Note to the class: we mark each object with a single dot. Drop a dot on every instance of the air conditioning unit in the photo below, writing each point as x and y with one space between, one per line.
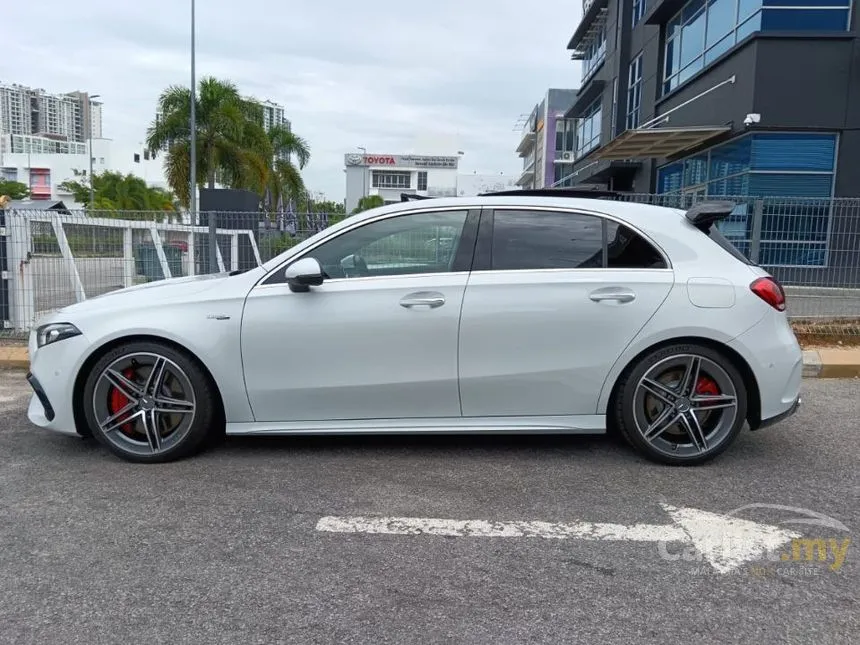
567 156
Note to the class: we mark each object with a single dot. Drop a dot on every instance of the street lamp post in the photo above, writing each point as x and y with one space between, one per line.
364 173
90 137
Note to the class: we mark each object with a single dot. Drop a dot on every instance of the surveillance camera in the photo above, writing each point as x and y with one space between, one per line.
752 118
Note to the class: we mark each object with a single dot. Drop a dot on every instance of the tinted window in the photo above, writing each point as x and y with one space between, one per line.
419 243
549 240
546 240
626 249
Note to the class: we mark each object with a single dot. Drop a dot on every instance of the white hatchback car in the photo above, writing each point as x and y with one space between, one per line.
511 313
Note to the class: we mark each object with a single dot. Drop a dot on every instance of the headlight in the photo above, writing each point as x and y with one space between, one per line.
51 333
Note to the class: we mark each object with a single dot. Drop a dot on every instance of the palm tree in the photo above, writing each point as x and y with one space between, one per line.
285 179
226 124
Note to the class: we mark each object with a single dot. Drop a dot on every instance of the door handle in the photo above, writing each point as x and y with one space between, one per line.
619 295
429 299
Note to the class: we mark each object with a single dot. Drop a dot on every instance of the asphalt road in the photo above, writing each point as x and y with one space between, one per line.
223 548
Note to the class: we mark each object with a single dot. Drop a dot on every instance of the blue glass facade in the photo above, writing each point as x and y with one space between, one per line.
704 30
767 165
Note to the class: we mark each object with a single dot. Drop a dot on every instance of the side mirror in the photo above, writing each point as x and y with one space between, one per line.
303 275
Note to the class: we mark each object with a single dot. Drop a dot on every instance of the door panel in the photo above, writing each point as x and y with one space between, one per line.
542 342
378 339
349 349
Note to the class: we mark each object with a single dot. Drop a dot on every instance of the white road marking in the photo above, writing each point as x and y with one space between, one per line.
724 542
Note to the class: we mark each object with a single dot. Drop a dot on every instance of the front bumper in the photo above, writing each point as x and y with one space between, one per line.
53 369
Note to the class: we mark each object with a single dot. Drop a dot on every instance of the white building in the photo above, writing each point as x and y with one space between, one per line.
44 172
45 137
389 176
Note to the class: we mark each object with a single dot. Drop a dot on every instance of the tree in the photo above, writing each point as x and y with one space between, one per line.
285 179
367 202
14 189
116 194
233 148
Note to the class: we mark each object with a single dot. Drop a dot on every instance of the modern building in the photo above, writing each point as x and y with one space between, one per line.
389 176
45 137
547 142
726 97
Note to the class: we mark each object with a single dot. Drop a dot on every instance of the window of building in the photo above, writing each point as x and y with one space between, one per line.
702 31
785 165
422 180
410 244
634 93
391 179
613 124
588 129
565 135
595 54
638 10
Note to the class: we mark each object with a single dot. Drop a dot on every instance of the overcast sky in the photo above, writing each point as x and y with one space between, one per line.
388 76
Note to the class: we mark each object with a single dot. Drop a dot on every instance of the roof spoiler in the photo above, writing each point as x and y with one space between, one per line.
408 197
704 214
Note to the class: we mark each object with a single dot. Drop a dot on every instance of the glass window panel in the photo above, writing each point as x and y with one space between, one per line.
691 9
730 158
719 49
806 3
790 185
670 178
673 56
673 27
688 72
804 20
721 20
752 25
696 170
792 254
746 8
692 39
793 151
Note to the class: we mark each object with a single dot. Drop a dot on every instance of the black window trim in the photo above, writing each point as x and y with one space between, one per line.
462 262
483 261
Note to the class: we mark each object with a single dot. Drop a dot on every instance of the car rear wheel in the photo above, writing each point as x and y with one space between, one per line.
148 402
681 405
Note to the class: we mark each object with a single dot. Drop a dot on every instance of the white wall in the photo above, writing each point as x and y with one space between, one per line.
62 166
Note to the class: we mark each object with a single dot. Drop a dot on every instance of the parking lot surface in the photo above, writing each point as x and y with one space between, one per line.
233 546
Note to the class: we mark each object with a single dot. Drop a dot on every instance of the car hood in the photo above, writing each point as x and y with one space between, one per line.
151 293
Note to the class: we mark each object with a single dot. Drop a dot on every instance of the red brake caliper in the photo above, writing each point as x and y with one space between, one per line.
707 386
117 400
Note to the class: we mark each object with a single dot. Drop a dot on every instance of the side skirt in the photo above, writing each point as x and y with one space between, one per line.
579 424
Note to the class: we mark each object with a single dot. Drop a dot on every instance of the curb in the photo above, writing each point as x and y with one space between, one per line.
817 363
14 358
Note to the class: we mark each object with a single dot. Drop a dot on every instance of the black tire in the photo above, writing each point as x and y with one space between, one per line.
631 404
205 422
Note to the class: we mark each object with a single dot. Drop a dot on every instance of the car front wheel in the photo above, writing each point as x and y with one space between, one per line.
148 402
681 405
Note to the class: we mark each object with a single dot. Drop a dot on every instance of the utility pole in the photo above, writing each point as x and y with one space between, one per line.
90 133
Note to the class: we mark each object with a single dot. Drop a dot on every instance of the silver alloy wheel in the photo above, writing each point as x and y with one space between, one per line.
144 403
685 405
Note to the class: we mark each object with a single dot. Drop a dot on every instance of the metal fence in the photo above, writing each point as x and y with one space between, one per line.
51 259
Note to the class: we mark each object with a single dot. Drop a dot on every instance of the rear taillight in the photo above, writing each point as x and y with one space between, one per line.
770 291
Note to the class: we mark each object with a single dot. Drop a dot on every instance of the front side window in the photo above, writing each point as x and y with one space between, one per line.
527 240
704 30
408 244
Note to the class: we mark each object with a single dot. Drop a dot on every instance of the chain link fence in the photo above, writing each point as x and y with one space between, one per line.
52 259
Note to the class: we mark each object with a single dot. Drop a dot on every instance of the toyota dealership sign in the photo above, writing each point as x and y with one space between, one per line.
402 161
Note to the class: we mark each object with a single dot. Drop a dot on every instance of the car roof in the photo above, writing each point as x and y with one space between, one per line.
647 217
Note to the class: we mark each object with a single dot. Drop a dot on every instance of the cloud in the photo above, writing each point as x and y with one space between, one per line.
377 75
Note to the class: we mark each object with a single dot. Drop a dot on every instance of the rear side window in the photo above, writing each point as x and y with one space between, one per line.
525 240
